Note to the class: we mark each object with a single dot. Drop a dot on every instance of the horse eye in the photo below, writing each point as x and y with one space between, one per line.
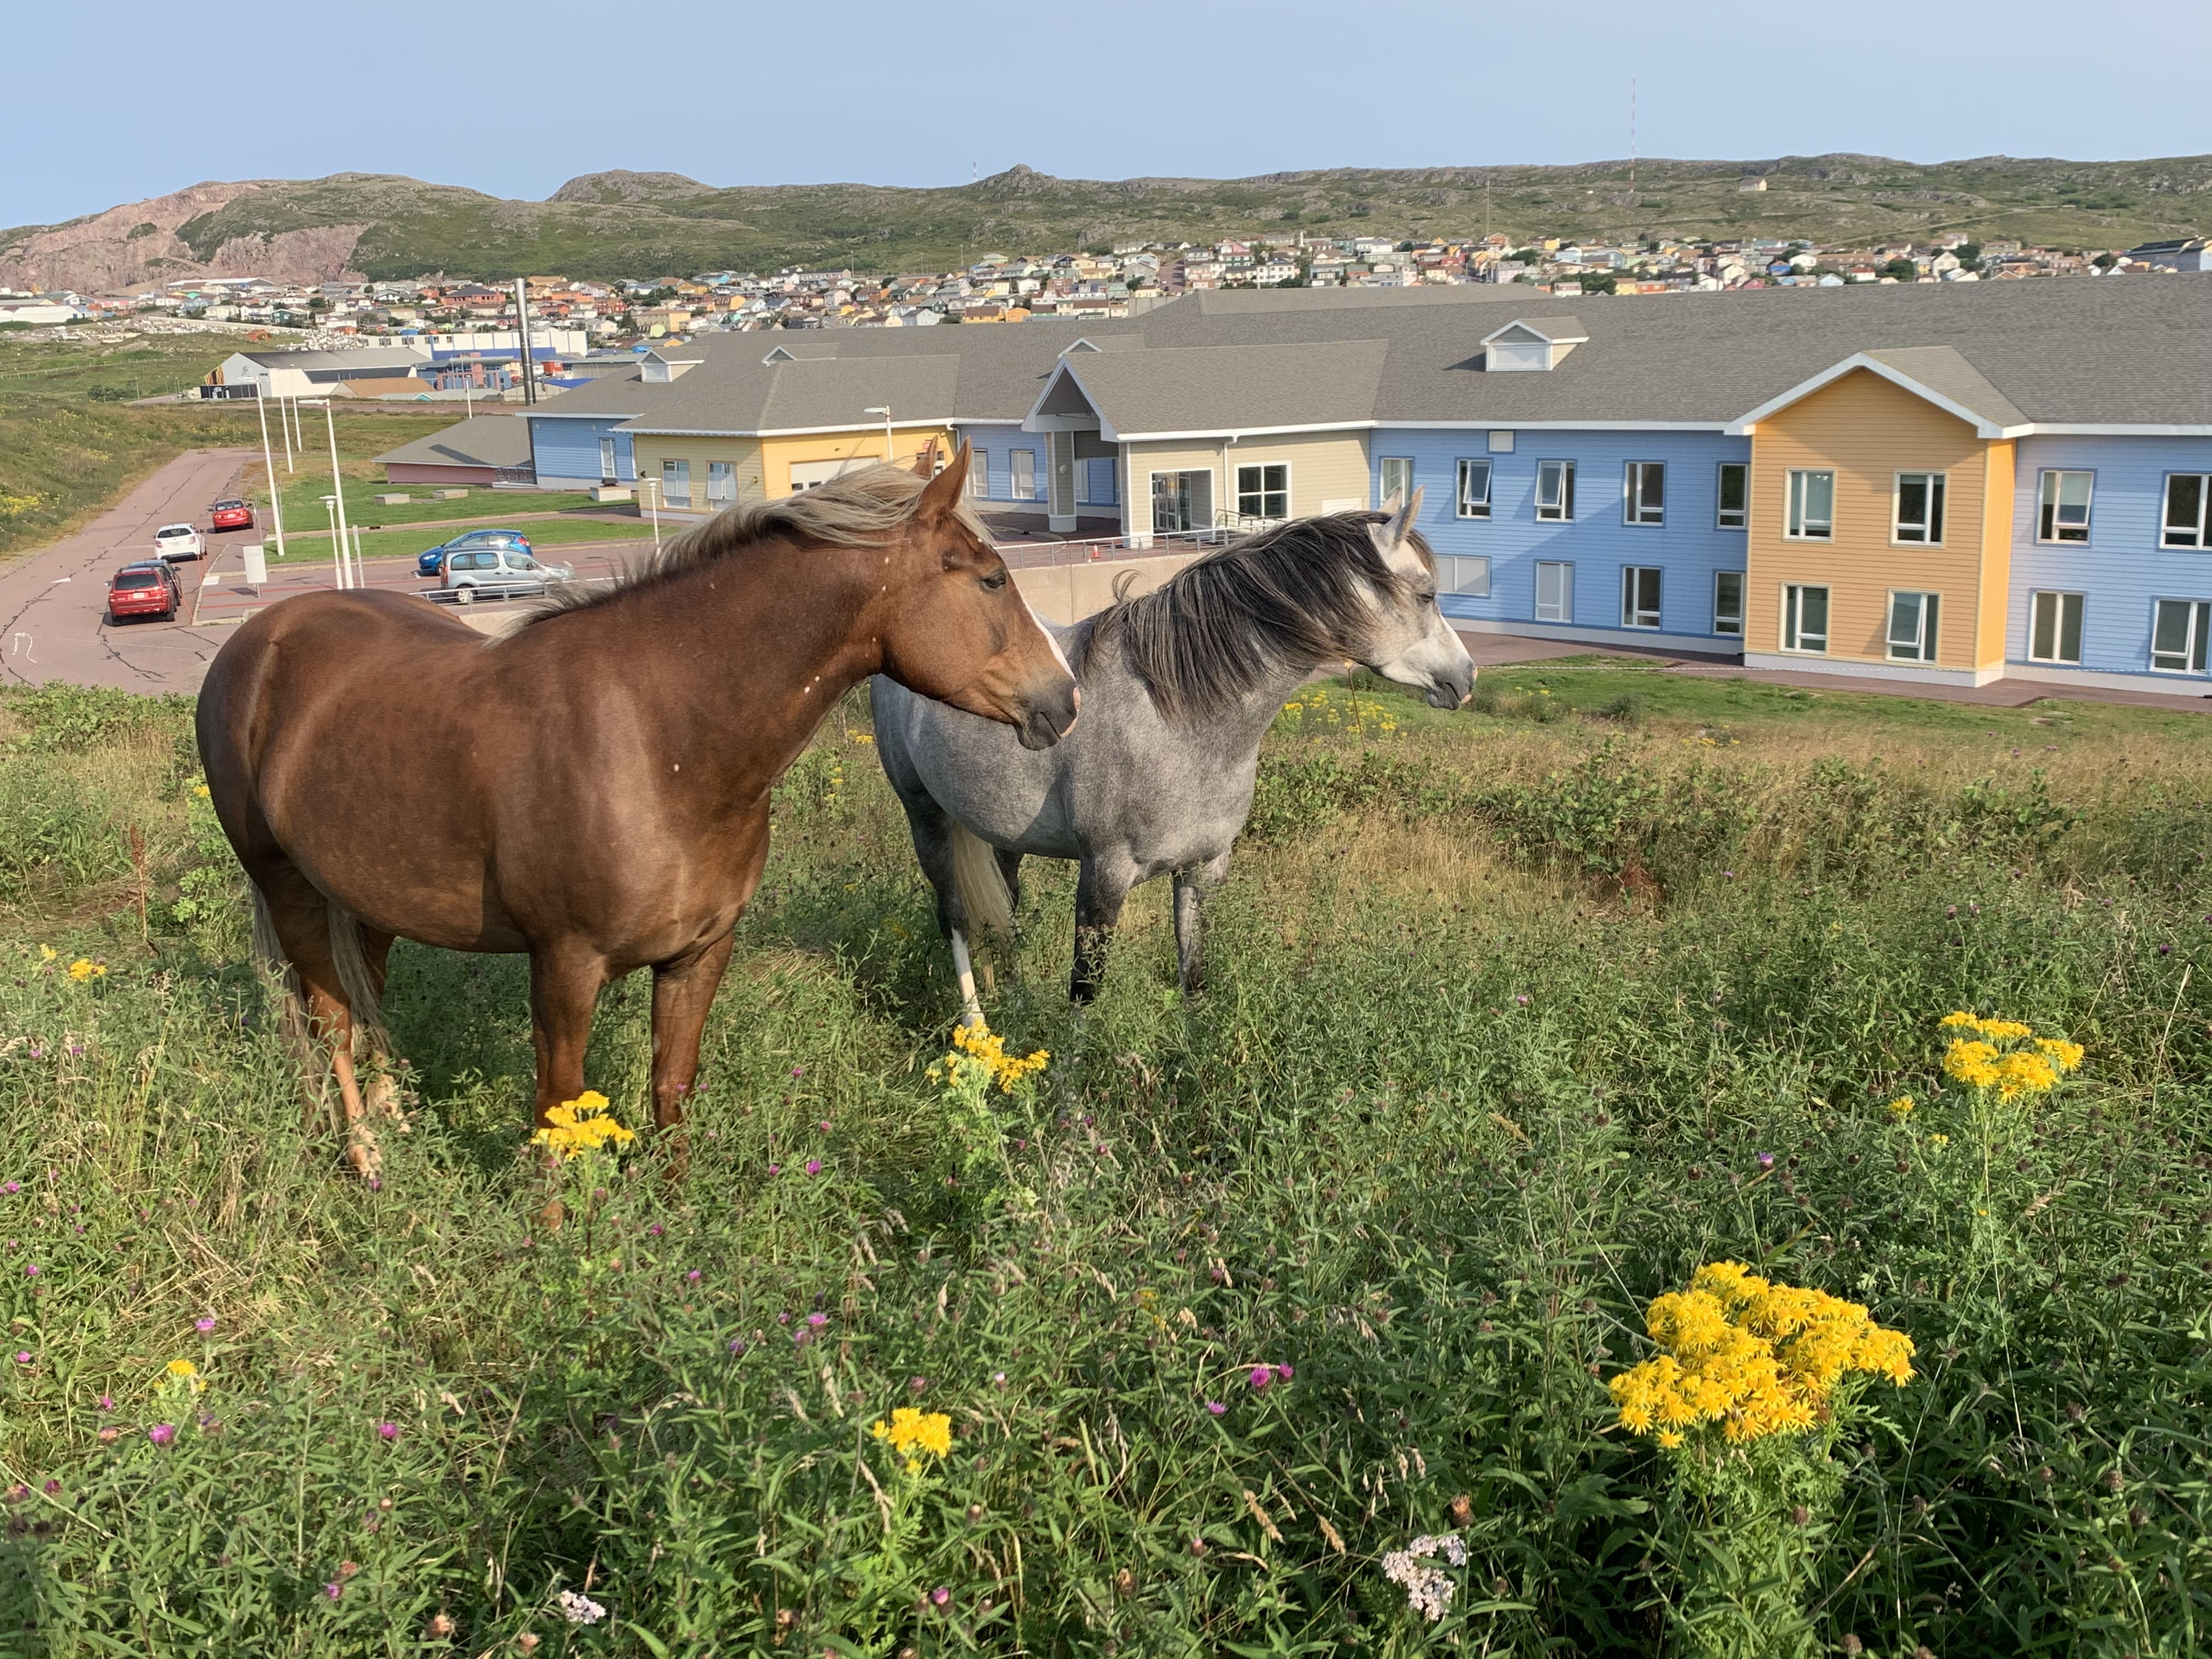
995 581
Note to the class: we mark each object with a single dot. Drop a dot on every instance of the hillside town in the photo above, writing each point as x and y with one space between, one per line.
1106 280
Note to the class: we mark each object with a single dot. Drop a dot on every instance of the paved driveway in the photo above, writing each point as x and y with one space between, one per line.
53 605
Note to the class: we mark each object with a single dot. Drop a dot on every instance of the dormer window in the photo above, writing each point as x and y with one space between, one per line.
1531 344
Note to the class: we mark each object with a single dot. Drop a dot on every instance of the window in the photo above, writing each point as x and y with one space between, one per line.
2054 624
1639 596
722 483
2064 515
1555 591
1464 574
1912 620
1918 508
1812 507
1728 602
1180 500
676 484
607 473
979 473
1804 618
1397 477
1025 475
1555 491
1263 491
1645 501
1735 496
1474 489
2178 635
1501 443
2185 496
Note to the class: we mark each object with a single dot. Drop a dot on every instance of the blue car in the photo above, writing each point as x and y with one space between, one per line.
433 563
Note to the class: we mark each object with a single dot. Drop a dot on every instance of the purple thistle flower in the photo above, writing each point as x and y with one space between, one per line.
692 1278
108 1402
776 1168
799 1070
1260 1377
1766 1160
53 1489
334 1589
15 1186
655 1230
783 1319
824 1126
1216 1408
736 1345
30 1270
22 1357
1520 1001
814 1166
388 1431
162 1433
204 1325
941 1597
816 1321
1284 1373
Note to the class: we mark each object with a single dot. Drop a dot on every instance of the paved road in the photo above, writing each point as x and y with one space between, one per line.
53 605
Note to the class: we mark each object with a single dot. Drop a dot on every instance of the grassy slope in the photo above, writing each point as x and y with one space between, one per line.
416 228
1455 1107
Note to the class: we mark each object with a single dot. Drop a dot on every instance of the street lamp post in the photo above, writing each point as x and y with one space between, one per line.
651 489
283 427
346 572
883 410
269 462
330 512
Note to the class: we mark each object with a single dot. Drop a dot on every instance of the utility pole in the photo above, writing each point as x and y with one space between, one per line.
1632 135
522 333
269 461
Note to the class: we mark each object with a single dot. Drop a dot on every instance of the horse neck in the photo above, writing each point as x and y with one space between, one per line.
762 643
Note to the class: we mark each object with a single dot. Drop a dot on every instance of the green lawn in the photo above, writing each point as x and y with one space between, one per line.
1518 1015
388 544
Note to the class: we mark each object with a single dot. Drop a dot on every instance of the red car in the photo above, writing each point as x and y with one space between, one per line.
230 514
144 590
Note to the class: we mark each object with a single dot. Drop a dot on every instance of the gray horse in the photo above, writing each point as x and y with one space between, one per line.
1179 686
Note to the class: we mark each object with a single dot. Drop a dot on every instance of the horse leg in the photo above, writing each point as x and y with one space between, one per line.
1010 872
683 994
1099 893
1191 887
381 1096
932 828
299 918
564 985
963 970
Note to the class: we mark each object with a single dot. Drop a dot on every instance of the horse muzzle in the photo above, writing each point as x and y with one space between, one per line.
1049 718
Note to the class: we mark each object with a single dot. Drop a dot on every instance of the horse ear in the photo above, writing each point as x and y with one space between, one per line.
941 495
925 464
1403 520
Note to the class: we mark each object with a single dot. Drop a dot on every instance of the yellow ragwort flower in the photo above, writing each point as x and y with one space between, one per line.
1757 1358
2066 1056
84 968
581 1125
48 953
1902 1107
912 1431
979 1042
183 1371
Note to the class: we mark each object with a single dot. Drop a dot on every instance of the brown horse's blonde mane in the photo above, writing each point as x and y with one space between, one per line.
860 509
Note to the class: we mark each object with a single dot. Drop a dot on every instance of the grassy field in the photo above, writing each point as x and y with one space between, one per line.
1518 1016
546 533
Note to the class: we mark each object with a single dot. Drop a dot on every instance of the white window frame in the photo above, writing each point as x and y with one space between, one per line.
609 460
1633 611
979 473
2196 536
1560 509
1385 466
1724 516
1724 624
1501 443
1203 518
1562 606
1476 504
1797 524
1263 516
2058 603
1934 504
1793 635
2196 628
1927 626
1467 575
1634 509
1023 459
2050 503
675 471
721 485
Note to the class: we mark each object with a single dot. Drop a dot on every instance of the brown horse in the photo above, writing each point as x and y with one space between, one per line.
593 789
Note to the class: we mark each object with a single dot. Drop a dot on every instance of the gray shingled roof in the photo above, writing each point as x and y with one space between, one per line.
487 440
1233 388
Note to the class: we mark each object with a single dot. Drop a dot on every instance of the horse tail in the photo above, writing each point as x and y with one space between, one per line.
363 998
293 1020
981 886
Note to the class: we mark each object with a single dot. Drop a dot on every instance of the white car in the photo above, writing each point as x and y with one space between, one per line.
507 571
174 542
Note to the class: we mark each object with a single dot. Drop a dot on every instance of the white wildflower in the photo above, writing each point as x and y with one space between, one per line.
579 1609
1428 1589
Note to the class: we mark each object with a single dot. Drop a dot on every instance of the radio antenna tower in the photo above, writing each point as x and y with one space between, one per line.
1632 135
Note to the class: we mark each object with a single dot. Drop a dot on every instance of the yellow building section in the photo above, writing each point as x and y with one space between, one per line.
769 468
1319 471
1866 435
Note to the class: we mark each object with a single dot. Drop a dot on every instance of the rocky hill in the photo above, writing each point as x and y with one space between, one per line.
646 224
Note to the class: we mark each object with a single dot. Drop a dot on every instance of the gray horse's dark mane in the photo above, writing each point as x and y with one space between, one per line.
867 506
1285 599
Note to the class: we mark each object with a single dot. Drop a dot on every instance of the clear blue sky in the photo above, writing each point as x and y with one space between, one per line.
141 100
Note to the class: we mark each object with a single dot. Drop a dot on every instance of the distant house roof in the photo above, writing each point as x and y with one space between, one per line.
487 440
365 364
